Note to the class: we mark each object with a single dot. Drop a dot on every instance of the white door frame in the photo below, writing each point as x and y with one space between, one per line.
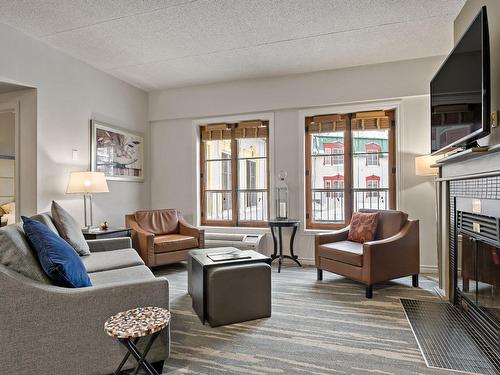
14 106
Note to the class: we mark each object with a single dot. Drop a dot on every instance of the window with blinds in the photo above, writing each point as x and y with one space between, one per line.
235 174
350 165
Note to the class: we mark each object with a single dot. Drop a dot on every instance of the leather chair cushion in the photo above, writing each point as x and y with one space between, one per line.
343 251
158 222
174 242
390 222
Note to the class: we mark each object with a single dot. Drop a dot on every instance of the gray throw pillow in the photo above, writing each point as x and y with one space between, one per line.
69 229
16 254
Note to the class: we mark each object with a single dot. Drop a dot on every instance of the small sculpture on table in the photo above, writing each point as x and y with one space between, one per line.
104 226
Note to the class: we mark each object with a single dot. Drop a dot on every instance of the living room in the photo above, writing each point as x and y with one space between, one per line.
262 128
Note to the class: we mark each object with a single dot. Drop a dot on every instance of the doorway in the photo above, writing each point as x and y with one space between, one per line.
8 167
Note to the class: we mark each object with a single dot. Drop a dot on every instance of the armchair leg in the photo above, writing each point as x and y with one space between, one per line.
320 274
414 280
369 291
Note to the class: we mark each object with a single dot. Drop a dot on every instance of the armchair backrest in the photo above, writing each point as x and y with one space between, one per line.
390 222
158 222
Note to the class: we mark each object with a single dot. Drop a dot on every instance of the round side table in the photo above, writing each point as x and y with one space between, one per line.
279 224
130 326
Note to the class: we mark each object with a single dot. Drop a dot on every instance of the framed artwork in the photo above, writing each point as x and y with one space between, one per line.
117 152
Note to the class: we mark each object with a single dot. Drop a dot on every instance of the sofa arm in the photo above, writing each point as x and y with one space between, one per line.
189 230
109 244
60 329
393 257
340 235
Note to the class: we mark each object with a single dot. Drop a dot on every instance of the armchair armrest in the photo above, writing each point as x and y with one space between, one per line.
189 230
339 235
109 244
393 257
142 241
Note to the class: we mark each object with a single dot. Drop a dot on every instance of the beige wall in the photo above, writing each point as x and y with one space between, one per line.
70 93
462 22
174 142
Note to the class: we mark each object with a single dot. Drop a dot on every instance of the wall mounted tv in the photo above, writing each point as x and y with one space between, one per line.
460 91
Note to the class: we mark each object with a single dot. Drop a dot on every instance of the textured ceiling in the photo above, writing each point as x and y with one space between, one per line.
157 44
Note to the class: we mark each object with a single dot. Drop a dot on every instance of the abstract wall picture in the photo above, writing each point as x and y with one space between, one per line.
116 152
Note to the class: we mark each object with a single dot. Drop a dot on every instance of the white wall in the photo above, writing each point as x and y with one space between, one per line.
174 142
7 134
69 94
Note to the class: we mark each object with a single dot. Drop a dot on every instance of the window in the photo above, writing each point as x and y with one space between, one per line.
336 149
234 174
347 157
372 153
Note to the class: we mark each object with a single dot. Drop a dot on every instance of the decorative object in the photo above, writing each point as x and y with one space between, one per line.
58 259
131 325
280 223
87 183
281 196
423 165
69 229
116 152
99 234
104 226
363 227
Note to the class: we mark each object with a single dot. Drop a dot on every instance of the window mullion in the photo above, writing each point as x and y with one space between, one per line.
234 182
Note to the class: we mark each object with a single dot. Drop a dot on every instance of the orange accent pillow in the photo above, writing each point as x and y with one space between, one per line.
363 227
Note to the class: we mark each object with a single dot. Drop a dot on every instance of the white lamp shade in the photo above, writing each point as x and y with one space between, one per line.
423 165
87 182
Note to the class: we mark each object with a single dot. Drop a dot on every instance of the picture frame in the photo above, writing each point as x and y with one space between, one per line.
117 152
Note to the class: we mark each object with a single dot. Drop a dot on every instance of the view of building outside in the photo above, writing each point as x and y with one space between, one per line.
252 179
370 166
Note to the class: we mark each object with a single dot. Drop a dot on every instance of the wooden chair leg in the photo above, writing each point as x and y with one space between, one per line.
414 280
320 274
369 291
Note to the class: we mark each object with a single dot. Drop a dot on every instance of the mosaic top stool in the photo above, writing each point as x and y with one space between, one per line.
130 326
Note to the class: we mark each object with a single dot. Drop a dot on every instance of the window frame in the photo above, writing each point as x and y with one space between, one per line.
348 192
235 190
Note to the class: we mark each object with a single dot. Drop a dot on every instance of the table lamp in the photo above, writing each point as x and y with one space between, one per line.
87 183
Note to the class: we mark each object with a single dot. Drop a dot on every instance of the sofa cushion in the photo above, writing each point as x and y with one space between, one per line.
390 222
46 218
110 260
58 259
69 229
16 253
158 221
363 227
343 251
174 242
121 275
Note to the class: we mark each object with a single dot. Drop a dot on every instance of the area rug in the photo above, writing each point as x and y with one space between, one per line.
317 327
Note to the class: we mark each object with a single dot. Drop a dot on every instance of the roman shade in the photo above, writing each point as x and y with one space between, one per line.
327 123
215 132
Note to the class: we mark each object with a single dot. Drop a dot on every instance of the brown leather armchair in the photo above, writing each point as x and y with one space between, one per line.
163 236
394 253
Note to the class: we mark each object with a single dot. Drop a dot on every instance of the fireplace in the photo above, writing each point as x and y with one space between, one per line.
475 253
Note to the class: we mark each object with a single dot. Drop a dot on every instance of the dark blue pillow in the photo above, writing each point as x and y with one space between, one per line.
58 259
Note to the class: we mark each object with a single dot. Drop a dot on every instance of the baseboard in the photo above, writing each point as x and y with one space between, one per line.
428 269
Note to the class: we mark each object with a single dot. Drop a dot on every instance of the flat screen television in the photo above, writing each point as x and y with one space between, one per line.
460 91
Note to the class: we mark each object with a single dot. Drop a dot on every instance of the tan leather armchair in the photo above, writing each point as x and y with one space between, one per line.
394 253
163 236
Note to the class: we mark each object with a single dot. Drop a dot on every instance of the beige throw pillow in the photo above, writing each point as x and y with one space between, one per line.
69 229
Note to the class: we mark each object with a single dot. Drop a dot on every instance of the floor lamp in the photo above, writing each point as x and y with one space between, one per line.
87 183
424 166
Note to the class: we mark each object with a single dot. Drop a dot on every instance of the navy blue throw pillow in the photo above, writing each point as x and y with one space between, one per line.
58 259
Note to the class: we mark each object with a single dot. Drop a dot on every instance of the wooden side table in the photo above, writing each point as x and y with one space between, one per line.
279 224
130 326
99 234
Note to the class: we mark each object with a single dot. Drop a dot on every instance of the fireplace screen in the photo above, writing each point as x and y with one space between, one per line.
479 274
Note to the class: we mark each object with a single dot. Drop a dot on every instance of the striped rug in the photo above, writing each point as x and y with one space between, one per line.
317 327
